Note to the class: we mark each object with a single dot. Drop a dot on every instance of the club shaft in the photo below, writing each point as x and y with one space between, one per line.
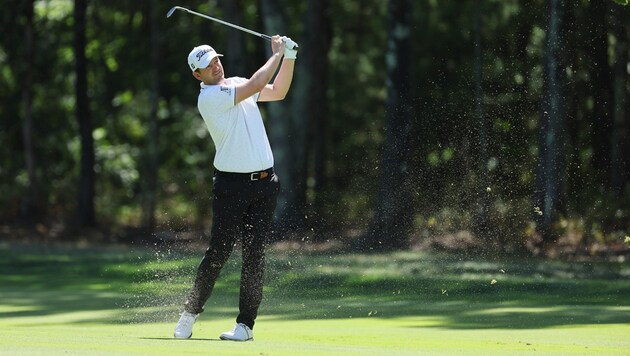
258 34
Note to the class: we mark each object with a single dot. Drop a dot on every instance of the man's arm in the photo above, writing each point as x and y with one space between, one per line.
280 87
261 78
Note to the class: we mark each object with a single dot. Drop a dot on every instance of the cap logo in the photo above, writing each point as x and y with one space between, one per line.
201 53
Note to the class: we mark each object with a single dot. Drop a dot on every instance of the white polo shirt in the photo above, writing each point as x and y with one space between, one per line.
238 131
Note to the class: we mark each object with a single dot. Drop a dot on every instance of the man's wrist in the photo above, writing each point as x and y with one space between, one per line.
290 54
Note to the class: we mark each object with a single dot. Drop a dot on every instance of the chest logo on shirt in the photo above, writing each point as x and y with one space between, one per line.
227 90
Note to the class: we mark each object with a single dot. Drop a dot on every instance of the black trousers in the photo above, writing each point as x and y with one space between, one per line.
241 208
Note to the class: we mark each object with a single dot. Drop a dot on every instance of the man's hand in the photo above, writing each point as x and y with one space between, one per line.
277 45
290 51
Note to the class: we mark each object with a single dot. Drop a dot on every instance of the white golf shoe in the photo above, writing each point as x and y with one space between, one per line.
241 332
183 330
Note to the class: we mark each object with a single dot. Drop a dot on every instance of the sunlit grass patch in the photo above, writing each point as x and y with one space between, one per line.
110 301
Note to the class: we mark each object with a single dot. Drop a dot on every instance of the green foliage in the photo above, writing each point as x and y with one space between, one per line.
449 181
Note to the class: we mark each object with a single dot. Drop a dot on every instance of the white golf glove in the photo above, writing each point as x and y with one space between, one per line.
290 48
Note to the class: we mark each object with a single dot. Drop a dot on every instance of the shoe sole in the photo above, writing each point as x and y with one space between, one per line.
228 339
176 337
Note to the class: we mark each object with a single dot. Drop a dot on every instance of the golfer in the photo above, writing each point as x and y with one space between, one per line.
245 186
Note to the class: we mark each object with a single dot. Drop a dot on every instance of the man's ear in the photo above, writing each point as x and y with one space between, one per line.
196 75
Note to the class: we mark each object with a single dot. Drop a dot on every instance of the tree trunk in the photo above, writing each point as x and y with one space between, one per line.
235 60
85 205
620 155
310 99
548 175
575 121
394 209
152 171
287 130
600 78
30 201
483 203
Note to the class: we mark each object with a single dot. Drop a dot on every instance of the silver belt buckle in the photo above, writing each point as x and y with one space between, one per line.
251 176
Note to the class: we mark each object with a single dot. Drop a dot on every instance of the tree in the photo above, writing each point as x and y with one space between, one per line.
85 206
548 182
235 61
600 79
287 131
31 200
483 201
394 210
310 100
620 145
152 171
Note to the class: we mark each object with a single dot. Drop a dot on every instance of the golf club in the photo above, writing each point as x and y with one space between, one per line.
261 35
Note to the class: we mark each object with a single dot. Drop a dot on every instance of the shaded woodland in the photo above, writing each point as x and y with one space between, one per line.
496 124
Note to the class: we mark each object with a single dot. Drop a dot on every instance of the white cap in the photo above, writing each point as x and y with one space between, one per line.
201 56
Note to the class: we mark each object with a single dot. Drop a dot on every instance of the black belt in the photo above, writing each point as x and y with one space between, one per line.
246 177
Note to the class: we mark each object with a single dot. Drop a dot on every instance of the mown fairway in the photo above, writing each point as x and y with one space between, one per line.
115 301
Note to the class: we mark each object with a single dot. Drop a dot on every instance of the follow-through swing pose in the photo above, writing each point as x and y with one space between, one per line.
245 185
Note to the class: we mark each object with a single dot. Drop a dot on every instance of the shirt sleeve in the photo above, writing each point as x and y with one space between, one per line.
217 98
239 80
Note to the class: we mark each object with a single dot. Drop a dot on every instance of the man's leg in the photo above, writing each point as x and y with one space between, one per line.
258 230
229 206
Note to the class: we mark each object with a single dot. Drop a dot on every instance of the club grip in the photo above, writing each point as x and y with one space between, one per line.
268 38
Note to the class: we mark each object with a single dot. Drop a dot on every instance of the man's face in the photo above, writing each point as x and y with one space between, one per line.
212 74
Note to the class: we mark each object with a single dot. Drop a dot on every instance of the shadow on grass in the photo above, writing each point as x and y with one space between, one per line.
149 286
179 340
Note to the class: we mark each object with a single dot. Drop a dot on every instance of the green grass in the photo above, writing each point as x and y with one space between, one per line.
111 301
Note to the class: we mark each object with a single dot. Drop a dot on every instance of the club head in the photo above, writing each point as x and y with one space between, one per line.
171 11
